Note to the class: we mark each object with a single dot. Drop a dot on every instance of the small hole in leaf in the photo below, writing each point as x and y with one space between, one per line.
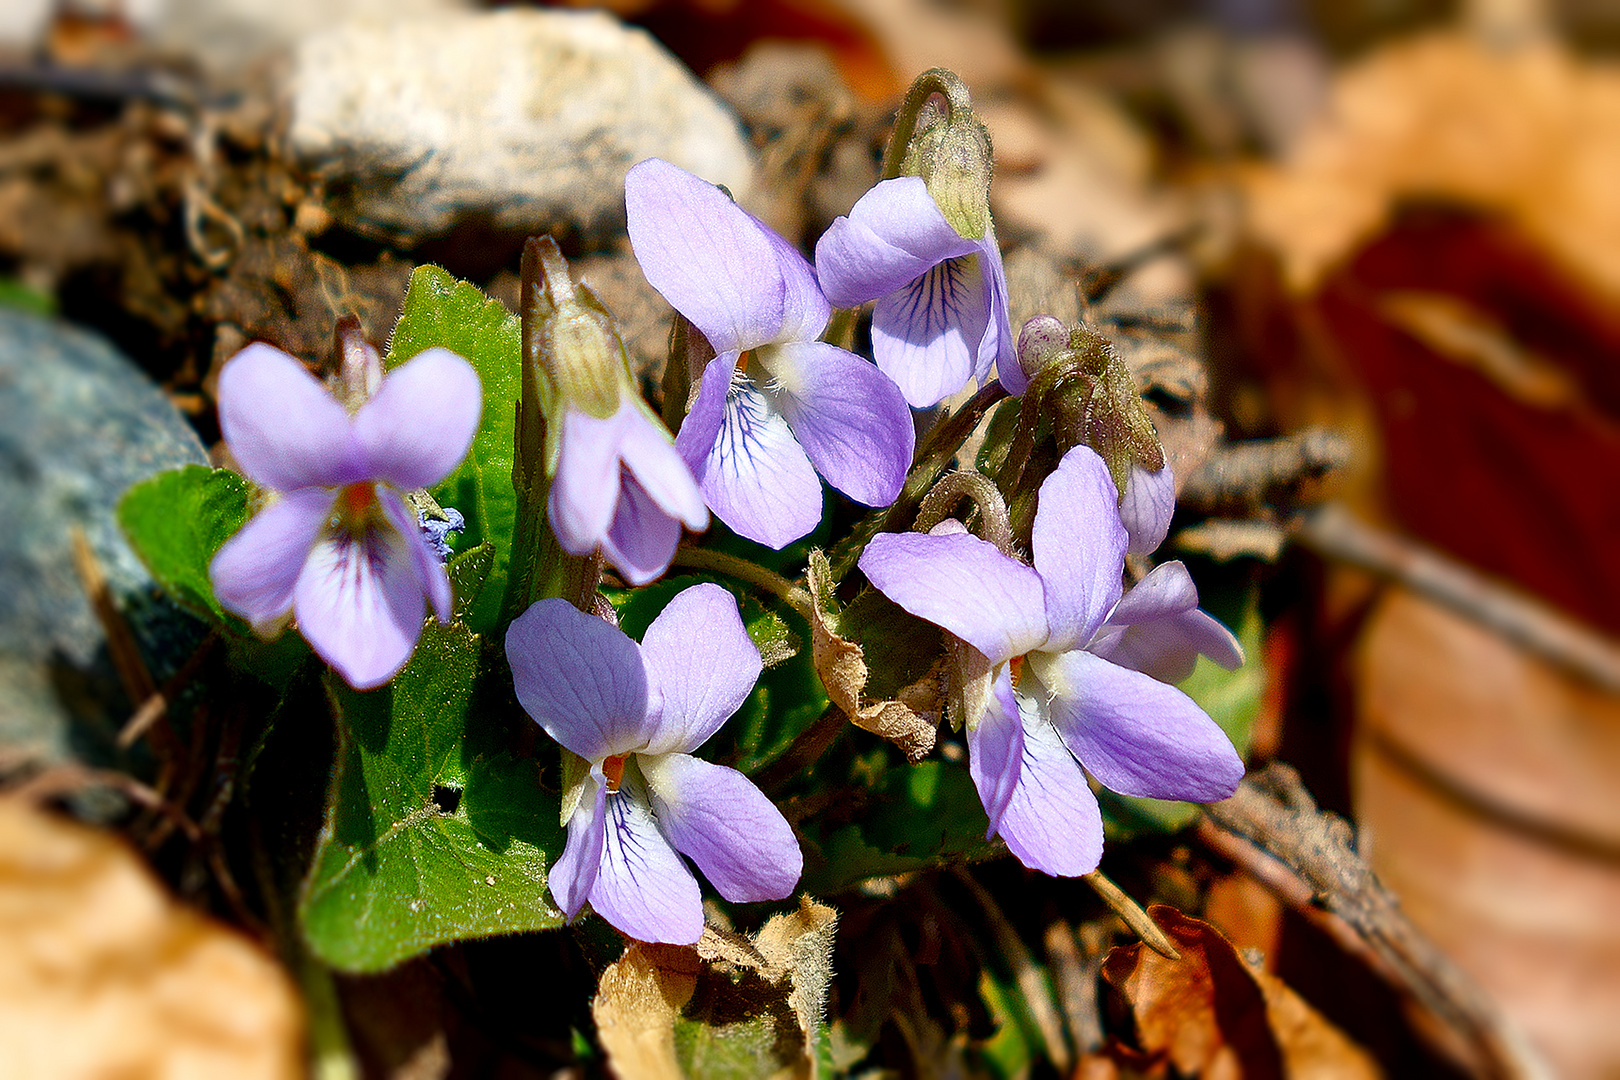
446 798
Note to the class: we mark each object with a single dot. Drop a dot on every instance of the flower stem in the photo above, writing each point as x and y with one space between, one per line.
732 566
939 446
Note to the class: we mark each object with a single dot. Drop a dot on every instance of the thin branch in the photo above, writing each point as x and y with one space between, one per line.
1526 621
1244 477
1140 922
1273 829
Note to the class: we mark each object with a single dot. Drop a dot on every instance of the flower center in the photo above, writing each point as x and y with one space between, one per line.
613 769
742 361
355 509
1015 668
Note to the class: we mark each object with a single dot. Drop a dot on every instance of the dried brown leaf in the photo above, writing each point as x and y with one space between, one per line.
1209 1014
841 666
102 974
637 1001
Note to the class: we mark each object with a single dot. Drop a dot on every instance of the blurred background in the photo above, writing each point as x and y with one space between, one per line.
1376 242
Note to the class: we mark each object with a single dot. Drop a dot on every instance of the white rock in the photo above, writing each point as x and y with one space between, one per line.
528 118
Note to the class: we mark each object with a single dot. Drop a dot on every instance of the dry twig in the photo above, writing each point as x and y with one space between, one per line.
1273 829
1527 622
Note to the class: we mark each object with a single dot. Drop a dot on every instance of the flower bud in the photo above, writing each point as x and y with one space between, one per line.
946 145
577 347
1042 338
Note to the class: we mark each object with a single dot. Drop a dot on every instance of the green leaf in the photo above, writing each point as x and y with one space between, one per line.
439 310
435 831
917 816
469 573
177 521
1232 699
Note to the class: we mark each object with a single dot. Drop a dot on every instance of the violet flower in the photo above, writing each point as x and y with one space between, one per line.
941 315
775 406
1059 696
1146 507
621 485
339 549
635 713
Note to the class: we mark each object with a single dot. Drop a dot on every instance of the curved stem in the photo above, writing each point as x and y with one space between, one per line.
968 484
705 559
939 446
1140 922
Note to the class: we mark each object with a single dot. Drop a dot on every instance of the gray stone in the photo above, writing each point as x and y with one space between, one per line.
527 120
79 424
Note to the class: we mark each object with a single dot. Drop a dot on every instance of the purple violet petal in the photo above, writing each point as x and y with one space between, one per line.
712 261
419 425
850 418
649 454
1168 590
643 887
701 428
926 335
996 751
284 430
998 348
1168 648
431 576
359 602
716 817
805 310
580 678
892 235
585 490
1136 735
573 875
964 584
1148 506
255 571
757 478
1079 547
1052 822
701 666
642 539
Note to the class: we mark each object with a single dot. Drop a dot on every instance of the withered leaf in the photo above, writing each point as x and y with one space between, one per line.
728 1006
102 974
1209 1014
841 665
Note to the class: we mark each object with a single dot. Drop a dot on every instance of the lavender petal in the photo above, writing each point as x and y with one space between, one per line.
1147 507
432 578
892 235
1079 547
419 425
850 418
926 335
716 817
359 602
996 751
1135 734
285 431
701 665
580 678
255 571
643 887
1052 822
756 478
964 584
573 875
